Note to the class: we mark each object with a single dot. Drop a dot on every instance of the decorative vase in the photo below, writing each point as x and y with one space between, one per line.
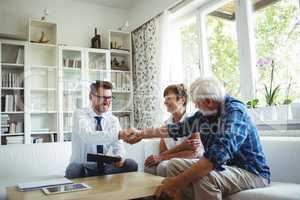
269 113
96 40
295 110
283 112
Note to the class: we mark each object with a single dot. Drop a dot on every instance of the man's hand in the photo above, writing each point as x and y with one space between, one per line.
118 164
153 160
193 143
133 136
124 134
170 186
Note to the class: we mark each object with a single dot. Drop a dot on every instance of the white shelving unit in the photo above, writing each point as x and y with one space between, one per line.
12 70
55 81
42 80
121 76
71 87
78 67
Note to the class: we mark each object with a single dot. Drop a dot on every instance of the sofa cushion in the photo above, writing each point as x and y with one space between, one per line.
276 191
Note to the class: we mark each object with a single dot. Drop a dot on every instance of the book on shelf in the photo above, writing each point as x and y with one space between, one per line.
11 103
15 140
20 56
4 130
72 63
120 82
11 79
124 121
68 122
36 139
4 119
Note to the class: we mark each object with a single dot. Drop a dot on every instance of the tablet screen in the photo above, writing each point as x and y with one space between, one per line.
66 188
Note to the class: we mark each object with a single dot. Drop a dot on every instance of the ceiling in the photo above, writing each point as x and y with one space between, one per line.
122 4
226 12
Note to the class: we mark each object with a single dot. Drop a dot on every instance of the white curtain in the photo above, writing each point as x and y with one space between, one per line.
170 52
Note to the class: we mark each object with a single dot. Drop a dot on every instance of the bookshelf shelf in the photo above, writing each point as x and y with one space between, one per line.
42 112
71 90
43 89
36 67
12 65
121 71
68 112
99 71
120 91
71 69
13 112
12 134
42 45
41 132
12 88
119 52
121 111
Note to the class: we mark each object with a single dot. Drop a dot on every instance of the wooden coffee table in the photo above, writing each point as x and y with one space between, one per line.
111 187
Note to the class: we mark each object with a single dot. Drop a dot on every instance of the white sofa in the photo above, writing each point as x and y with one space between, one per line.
21 163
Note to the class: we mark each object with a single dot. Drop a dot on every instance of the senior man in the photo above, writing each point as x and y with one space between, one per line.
233 159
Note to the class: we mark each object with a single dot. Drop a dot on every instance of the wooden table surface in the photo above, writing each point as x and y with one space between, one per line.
110 187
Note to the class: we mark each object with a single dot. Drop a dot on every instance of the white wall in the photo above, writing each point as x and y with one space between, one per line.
146 10
76 20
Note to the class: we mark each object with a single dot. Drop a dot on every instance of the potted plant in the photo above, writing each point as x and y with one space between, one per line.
284 110
271 95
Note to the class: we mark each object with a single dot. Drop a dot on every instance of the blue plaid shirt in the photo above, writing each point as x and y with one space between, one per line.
230 138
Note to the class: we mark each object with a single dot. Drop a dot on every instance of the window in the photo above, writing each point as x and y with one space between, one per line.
277 43
189 38
183 53
278 50
222 44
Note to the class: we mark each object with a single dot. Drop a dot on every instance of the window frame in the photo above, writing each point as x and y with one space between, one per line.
246 47
245 42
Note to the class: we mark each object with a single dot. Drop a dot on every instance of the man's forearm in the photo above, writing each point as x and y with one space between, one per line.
161 132
167 155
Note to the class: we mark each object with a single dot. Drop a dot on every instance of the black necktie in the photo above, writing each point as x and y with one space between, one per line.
99 128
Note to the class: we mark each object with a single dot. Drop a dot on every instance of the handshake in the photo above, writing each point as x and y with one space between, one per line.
131 135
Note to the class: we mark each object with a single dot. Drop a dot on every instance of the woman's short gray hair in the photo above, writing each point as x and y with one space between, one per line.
207 88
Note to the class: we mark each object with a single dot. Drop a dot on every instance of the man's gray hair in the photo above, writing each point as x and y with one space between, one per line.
207 88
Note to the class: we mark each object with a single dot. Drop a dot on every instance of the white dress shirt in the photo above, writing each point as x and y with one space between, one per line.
85 138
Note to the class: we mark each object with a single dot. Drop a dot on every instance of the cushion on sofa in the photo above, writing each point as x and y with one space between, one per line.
276 191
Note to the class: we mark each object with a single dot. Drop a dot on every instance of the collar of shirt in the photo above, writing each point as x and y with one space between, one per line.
92 113
170 119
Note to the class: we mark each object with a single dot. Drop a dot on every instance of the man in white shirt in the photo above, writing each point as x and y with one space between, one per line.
96 130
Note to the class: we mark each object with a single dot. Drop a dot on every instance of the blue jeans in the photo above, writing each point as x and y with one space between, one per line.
79 170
